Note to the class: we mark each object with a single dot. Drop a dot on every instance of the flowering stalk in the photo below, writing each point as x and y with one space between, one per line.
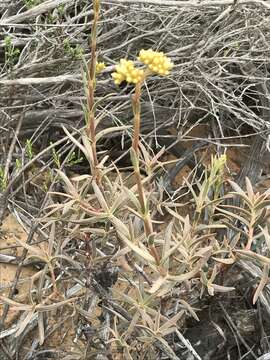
135 159
91 127
137 117
156 62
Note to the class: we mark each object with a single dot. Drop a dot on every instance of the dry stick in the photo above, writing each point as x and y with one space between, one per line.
34 159
229 320
187 157
192 4
36 11
17 275
5 350
41 80
32 229
25 251
3 198
253 165
5 194
44 168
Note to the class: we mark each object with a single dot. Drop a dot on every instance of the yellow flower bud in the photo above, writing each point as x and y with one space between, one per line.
125 71
156 61
99 67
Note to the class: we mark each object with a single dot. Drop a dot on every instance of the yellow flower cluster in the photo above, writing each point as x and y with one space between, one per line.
99 67
125 71
157 62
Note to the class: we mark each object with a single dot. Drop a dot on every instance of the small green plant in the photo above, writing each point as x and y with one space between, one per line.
56 158
11 53
3 179
18 164
73 159
51 18
75 52
210 189
61 10
31 3
29 149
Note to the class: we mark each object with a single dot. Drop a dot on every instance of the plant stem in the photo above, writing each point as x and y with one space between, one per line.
137 117
250 235
135 145
91 126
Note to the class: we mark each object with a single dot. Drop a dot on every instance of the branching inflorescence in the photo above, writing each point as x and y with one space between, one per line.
156 62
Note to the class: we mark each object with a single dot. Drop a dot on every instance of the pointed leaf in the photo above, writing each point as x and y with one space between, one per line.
262 284
109 130
157 284
25 322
